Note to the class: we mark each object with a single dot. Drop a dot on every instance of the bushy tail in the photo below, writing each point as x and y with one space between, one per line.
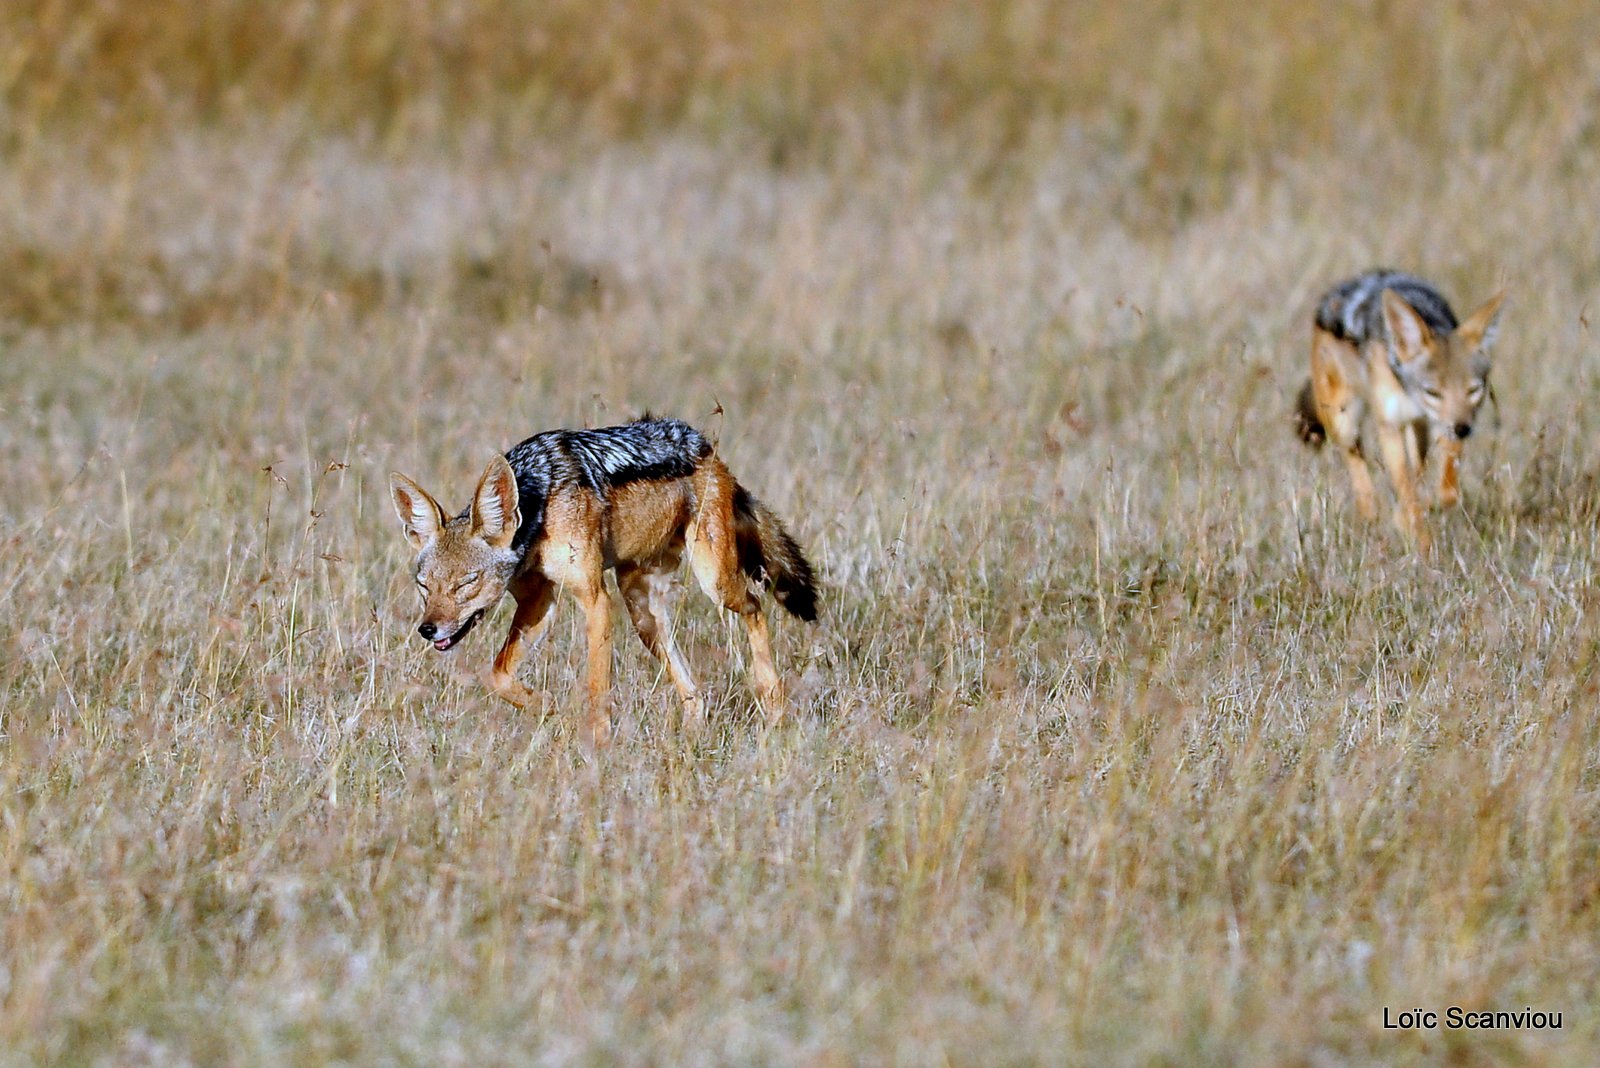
1306 421
770 556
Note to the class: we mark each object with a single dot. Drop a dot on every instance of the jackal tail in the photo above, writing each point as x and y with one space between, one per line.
1306 421
770 556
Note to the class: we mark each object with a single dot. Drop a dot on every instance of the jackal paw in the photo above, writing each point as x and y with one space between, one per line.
694 715
775 704
597 733
523 697
1415 531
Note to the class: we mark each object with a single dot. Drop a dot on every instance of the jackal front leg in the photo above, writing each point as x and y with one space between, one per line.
597 623
528 625
1361 482
1449 457
1401 460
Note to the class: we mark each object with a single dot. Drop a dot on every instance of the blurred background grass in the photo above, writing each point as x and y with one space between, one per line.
1170 108
1193 91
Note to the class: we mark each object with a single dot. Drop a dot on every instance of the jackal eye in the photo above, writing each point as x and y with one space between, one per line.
1431 393
1474 392
470 580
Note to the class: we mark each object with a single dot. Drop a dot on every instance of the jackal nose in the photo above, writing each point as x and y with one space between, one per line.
1463 431
428 631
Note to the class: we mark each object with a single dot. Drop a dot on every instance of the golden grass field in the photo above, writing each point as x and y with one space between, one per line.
1121 740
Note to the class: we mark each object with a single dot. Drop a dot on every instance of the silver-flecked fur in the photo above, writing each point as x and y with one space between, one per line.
1353 310
599 459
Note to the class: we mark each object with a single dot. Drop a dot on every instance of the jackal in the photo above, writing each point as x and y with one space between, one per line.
560 508
1388 344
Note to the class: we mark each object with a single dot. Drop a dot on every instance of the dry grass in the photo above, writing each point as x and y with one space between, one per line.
1121 741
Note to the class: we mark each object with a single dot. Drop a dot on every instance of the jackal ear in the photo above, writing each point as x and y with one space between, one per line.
419 513
1478 333
495 516
1408 334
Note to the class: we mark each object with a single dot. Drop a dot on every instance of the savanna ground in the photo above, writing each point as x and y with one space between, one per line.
1121 739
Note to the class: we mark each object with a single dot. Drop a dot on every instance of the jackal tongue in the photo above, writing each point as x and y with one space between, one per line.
442 644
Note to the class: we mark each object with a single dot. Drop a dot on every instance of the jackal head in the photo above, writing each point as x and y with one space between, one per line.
463 563
1447 374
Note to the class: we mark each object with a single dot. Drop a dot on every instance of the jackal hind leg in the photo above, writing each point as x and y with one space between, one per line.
1337 398
645 591
714 558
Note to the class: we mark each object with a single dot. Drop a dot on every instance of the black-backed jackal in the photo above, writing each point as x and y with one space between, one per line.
563 506
1388 344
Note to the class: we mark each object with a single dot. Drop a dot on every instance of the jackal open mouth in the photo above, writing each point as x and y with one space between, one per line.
442 644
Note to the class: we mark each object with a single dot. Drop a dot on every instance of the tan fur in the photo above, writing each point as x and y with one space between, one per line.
641 529
1348 384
